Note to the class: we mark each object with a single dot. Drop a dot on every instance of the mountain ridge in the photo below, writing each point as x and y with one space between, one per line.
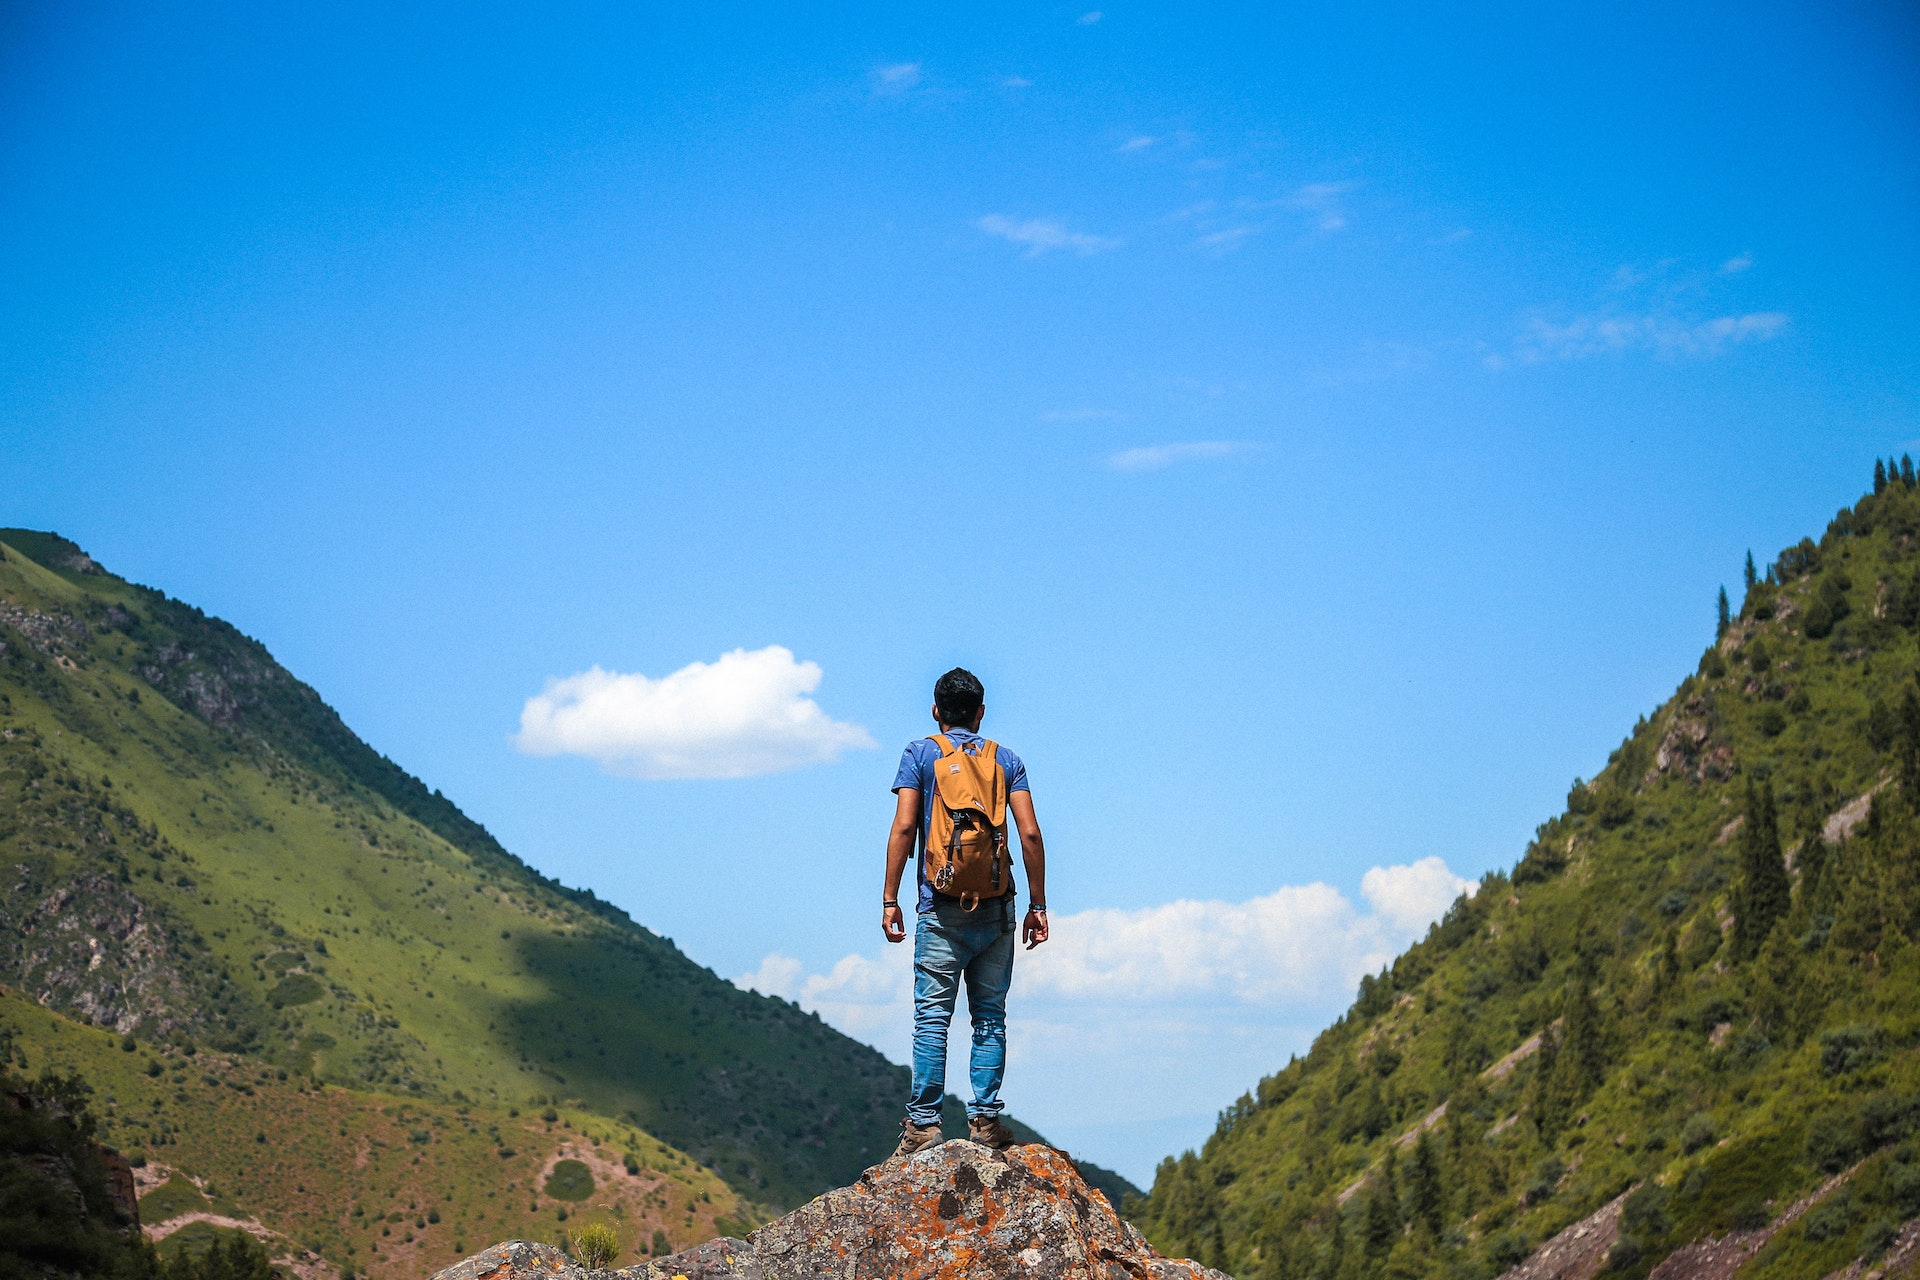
1696 989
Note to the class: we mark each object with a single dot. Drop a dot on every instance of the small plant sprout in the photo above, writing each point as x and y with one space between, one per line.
596 1245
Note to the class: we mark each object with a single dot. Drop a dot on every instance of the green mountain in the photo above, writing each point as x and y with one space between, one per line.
200 857
1696 990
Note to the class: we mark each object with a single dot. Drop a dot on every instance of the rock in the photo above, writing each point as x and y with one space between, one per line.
955 1210
1579 1252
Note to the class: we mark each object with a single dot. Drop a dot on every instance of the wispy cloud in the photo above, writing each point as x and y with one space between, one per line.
1735 265
1043 235
1016 82
1160 456
1322 203
895 77
1226 239
744 715
1090 17
1544 340
1139 142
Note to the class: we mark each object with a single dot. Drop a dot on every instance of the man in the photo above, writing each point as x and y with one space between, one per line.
953 795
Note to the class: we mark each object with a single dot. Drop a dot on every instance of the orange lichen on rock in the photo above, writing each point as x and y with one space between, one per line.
957 1211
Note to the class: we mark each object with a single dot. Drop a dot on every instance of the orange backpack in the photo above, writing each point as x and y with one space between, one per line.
967 828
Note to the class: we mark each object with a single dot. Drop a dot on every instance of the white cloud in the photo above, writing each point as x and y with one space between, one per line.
1090 17
1016 82
1735 265
1177 1007
745 715
1041 235
1605 333
1410 897
1158 456
1321 202
895 77
1139 142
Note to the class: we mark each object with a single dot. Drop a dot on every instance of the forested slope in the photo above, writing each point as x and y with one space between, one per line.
1698 985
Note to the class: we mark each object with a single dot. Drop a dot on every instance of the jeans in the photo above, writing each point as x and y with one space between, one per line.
949 944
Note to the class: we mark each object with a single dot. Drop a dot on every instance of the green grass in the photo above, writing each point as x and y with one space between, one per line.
172 1198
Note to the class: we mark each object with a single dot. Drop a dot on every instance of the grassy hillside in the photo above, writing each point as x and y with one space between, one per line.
195 850
1699 982
364 1181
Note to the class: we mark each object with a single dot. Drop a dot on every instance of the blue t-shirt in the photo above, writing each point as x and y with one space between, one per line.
916 772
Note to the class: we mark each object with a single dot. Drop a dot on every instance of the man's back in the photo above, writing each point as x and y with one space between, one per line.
966 938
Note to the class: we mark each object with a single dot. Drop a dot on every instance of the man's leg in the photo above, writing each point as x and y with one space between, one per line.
937 965
989 974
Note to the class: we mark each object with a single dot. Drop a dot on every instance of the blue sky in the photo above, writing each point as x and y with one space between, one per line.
1341 417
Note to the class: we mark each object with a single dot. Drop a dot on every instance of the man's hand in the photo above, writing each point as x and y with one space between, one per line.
1033 930
893 924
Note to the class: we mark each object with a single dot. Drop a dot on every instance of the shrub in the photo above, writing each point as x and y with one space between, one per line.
1625 1252
1645 1212
1773 722
1751 1214
1833 1140
1833 1217
1848 1049
1878 1235
1506 1250
661 1245
1698 1132
596 1245
1886 1118
570 1180
1546 1178
1674 903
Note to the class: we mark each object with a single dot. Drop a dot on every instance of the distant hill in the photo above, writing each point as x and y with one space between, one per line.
1697 990
198 854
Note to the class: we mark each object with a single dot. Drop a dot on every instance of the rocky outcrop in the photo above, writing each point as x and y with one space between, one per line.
92 949
1577 1253
952 1211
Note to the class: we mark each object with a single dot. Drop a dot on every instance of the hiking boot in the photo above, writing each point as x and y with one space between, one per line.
916 1137
989 1132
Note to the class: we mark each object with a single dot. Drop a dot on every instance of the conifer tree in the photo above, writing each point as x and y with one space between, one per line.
1906 470
1812 864
1583 1053
1909 746
1545 1104
1383 1210
1426 1199
1752 575
1879 475
1333 1262
1764 893
1725 616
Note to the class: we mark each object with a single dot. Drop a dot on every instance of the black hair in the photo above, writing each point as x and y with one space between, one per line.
957 695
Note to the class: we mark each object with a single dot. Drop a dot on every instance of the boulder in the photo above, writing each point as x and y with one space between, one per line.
955 1210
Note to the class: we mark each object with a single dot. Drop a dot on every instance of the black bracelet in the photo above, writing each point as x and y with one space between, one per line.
1041 907
888 902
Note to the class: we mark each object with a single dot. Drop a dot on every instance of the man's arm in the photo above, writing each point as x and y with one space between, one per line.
1033 852
906 826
